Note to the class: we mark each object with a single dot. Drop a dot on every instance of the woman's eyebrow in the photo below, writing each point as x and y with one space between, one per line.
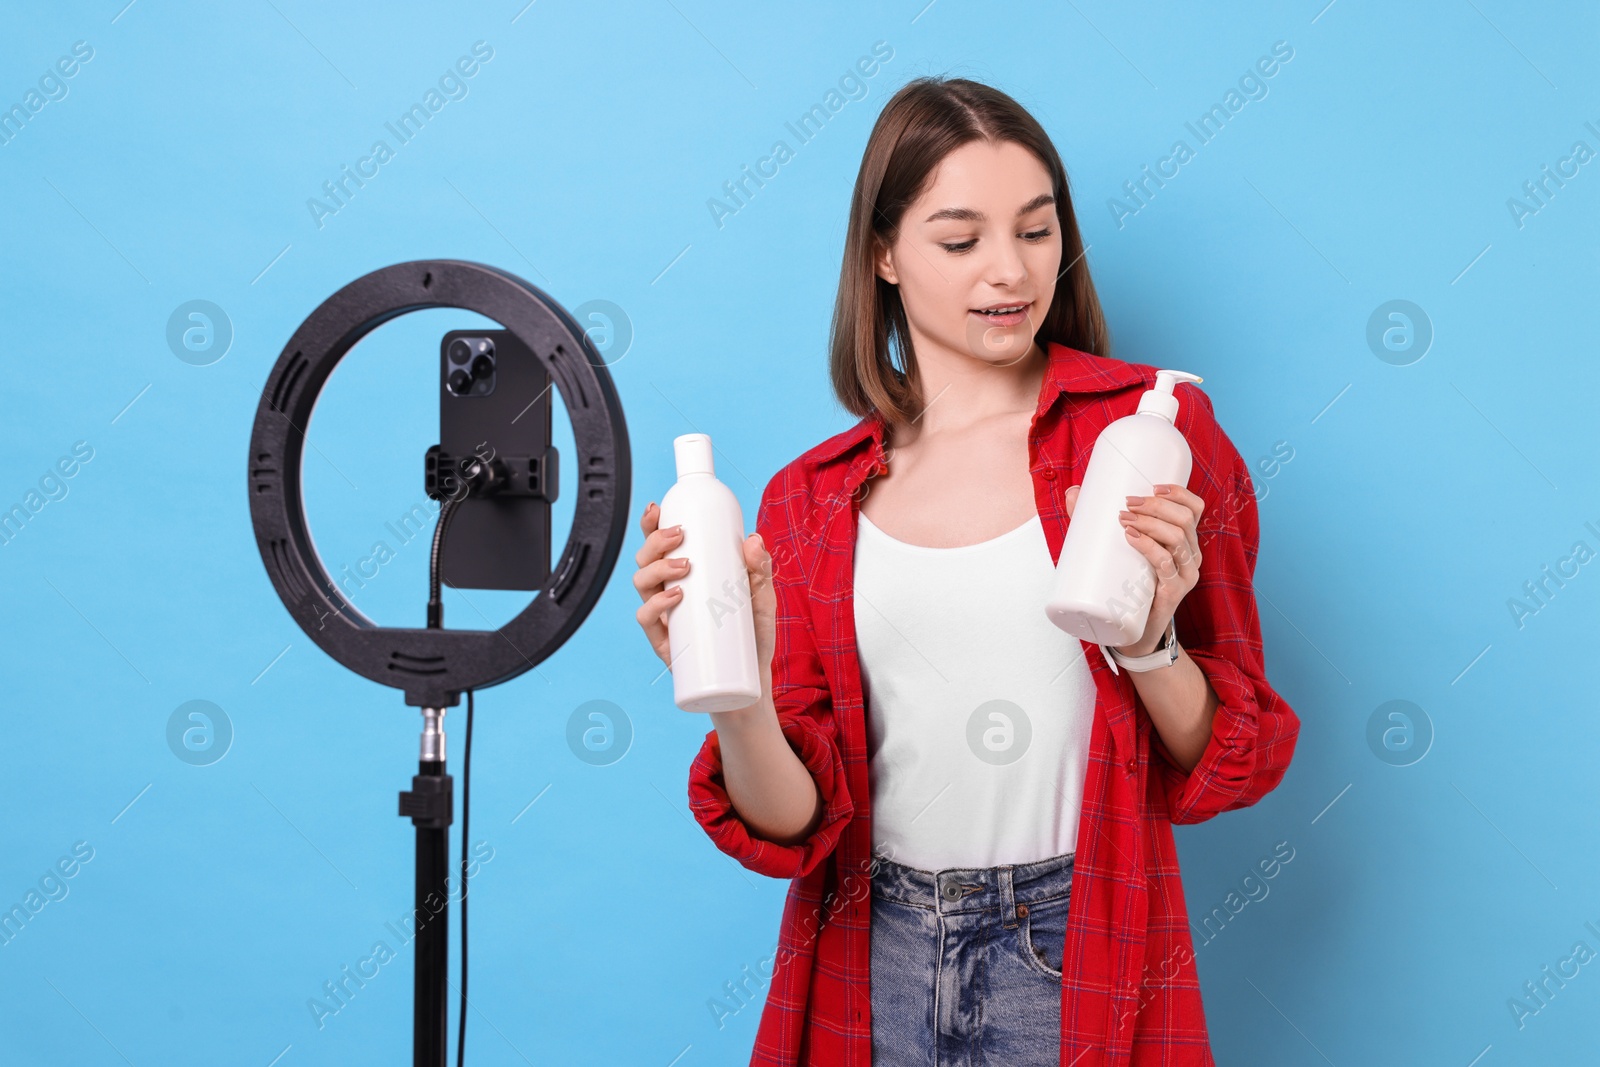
967 214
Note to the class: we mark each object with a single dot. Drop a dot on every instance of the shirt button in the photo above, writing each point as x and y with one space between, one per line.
1049 474
1132 765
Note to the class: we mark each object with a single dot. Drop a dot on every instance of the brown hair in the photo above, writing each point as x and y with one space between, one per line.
925 120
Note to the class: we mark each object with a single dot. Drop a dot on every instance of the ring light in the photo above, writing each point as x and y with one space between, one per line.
433 666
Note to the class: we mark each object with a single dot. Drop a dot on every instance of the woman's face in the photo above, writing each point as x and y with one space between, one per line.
983 235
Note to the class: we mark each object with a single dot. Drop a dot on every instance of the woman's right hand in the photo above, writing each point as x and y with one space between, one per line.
655 570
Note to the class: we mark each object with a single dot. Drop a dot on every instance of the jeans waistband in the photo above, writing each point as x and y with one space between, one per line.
968 889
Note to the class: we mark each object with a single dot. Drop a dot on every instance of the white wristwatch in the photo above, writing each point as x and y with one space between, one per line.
1165 655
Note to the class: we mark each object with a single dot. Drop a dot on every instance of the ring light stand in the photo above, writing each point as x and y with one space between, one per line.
434 666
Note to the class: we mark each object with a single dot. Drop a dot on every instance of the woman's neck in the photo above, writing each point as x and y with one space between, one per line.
963 391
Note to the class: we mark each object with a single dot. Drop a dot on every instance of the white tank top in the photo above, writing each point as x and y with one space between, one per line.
978 707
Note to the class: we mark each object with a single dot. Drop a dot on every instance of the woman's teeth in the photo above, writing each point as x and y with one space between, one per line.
1003 311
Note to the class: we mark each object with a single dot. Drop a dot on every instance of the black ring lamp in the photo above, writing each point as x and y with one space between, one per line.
434 666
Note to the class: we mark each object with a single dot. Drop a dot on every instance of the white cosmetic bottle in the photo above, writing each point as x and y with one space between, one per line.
711 630
1103 585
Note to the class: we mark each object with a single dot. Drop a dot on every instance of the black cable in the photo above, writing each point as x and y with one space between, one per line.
466 812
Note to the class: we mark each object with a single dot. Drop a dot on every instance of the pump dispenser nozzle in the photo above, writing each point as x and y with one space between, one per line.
1160 401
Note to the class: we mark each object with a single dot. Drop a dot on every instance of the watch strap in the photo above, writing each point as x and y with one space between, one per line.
1165 655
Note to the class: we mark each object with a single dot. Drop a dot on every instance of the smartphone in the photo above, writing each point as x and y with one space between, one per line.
495 404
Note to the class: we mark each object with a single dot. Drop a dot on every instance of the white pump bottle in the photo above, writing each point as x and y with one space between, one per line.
711 630
1103 585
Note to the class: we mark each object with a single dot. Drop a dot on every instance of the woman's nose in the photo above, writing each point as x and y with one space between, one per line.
1005 268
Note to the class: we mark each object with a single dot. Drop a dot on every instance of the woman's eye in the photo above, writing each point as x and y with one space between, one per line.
964 246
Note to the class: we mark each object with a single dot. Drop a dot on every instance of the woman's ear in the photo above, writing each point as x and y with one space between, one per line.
884 262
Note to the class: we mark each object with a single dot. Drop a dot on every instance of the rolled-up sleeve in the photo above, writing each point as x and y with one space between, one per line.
1254 730
804 704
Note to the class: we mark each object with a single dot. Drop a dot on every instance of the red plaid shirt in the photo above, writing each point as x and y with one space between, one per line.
1130 996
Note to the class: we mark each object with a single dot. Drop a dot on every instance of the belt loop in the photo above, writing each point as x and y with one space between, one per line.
1008 903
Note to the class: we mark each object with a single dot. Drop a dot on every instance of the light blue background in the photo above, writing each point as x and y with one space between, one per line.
1418 501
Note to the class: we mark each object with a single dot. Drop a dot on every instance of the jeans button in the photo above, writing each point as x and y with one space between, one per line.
950 891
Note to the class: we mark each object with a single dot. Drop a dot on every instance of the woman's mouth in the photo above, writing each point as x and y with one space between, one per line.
1003 314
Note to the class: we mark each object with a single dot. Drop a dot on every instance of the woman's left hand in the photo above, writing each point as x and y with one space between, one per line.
1163 527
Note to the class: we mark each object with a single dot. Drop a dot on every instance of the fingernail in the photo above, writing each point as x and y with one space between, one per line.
1165 489
1135 500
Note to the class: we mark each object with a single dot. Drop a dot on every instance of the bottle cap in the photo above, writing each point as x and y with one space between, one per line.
1160 401
693 452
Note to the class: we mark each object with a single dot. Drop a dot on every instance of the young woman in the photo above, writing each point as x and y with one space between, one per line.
975 810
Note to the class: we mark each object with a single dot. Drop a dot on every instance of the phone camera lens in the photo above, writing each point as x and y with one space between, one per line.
460 350
482 367
460 382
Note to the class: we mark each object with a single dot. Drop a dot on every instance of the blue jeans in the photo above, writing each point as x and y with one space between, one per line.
966 964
